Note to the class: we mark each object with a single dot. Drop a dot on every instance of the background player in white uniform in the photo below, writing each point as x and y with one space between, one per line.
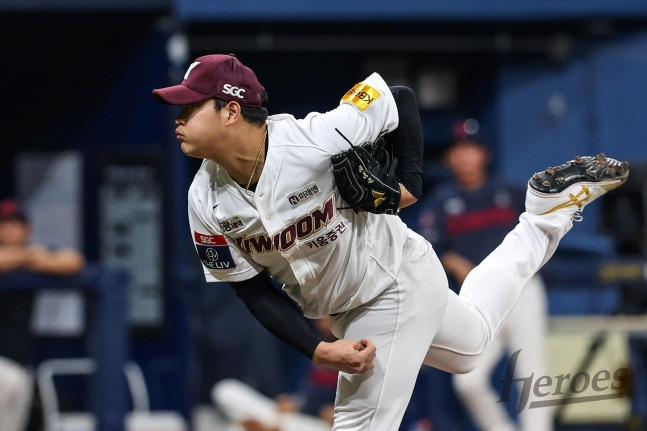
264 204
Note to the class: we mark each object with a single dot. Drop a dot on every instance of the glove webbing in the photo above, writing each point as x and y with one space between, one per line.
379 154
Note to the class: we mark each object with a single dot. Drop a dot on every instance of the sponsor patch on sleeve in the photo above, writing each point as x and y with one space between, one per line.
213 251
361 95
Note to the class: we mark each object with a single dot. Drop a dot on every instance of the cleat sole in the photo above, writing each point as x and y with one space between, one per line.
598 171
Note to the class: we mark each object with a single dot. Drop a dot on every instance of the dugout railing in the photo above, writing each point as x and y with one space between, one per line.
106 332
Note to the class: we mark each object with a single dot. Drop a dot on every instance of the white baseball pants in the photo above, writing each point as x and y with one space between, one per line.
15 395
418 319
240 402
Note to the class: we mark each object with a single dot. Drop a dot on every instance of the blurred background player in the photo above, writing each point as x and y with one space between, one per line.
465 219
311 408
17 254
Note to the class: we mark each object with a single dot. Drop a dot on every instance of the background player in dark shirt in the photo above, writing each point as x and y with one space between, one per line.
465 219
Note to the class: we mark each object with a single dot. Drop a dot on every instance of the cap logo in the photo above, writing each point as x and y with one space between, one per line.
193 65
232 90
217 75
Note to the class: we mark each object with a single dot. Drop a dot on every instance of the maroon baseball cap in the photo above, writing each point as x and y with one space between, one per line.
218 75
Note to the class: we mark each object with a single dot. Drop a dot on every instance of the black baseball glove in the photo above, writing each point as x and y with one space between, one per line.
365 177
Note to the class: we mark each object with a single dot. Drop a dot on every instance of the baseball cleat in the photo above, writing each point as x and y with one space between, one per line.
573 185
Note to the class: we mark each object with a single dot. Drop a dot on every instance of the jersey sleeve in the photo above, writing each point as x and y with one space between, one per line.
222 260
366 112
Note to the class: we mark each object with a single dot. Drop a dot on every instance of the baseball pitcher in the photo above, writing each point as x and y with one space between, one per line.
312 204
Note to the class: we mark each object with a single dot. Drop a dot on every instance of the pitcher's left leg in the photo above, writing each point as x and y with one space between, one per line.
555 197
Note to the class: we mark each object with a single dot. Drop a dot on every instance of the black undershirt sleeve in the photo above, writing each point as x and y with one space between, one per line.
407 141
277 313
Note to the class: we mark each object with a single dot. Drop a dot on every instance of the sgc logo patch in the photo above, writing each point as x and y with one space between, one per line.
213 251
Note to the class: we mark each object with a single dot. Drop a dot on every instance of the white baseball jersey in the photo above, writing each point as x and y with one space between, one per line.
329 260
